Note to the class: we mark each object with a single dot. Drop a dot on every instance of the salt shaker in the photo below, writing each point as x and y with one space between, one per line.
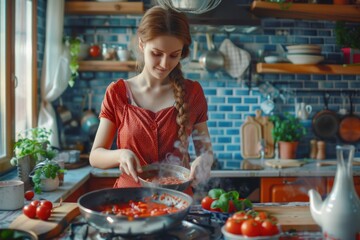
320 150
313 149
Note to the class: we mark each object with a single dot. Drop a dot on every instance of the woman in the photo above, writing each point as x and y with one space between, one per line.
154 113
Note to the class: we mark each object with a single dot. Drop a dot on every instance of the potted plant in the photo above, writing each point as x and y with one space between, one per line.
45 176
287 132
347 37
32 147
78 50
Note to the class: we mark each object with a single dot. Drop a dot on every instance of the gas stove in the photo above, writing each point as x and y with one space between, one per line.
197 225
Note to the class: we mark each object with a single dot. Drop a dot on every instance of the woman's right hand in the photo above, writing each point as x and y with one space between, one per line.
129 163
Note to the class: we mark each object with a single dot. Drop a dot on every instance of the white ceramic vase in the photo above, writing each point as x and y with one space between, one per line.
49 184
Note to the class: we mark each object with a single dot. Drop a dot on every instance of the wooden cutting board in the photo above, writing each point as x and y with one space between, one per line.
266 131
250 138
284 163
333 163
60 218
292 217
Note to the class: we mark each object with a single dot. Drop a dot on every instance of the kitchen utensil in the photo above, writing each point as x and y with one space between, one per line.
303 110
325 123
349 128
90 203
165 170
89 120
250 138
339 214
266 132
59 220
268 105
64 113
212 60
11 195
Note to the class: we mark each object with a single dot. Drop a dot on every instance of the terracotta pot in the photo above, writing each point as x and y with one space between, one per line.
287 150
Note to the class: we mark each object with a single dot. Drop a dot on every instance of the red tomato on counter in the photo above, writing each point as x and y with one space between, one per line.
29 195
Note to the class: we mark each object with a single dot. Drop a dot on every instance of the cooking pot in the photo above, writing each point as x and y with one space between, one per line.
212 60
90 203
90 121
325 123
349 128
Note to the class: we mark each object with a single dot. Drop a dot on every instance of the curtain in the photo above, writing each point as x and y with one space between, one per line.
55 70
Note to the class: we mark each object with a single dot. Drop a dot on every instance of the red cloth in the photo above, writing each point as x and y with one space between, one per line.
147 133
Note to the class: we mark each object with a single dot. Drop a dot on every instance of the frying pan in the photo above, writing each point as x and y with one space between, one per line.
90 203
325 123
349 128
212 60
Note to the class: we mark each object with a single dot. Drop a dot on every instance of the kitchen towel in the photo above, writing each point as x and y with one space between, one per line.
237 60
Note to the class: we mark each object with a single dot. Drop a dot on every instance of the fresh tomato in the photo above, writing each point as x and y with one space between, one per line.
232 207
242 215
29 211
268 228
261 216
251 228
46 203
233 225
206 203
43 212
35 203
94 51
29 195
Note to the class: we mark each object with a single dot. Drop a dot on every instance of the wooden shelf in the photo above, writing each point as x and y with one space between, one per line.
308 11
111 8
107 66
307 69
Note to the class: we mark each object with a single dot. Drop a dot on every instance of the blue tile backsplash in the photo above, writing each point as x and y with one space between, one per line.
229 100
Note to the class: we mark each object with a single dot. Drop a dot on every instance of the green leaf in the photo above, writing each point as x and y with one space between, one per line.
215 193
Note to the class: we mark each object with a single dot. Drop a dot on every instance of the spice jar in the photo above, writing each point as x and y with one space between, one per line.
320 150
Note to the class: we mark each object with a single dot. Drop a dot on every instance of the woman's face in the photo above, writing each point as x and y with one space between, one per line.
161 55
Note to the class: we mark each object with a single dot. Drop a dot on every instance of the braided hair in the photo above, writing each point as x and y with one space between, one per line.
159 21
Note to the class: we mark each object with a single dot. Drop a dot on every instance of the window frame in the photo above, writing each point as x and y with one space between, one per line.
10 80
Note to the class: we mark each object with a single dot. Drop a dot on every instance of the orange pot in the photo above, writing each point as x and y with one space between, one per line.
287 150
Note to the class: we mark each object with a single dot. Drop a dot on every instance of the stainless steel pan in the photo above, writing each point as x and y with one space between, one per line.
90 203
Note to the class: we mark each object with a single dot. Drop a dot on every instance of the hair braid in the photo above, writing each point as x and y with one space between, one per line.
181 106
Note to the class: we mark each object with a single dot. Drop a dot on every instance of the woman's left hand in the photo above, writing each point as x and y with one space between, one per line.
201 168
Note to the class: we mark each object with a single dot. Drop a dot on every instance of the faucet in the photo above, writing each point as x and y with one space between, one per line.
262 147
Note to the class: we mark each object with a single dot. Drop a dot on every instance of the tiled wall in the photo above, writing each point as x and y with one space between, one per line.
229 100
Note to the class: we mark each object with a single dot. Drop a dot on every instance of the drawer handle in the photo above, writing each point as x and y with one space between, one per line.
117 7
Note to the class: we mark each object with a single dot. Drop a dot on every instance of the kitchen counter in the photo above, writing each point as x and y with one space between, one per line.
77 177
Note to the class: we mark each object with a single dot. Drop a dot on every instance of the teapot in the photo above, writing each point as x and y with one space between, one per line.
302 110
339 214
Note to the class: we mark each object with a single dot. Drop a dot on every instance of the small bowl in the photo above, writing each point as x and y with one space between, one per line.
230 236
165 170
305 59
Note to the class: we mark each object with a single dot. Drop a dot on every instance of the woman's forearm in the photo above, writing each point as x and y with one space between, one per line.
104 158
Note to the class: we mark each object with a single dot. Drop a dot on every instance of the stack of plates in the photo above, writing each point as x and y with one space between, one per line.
304 54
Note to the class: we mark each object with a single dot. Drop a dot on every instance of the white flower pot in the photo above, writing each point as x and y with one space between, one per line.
49 184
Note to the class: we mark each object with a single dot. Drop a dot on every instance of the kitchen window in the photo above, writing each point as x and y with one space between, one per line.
18 82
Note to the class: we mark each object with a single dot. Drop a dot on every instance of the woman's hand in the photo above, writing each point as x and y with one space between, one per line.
201 168
129 163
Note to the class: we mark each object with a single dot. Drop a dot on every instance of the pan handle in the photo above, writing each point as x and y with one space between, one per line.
326 100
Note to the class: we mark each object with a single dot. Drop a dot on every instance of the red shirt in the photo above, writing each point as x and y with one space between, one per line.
151 136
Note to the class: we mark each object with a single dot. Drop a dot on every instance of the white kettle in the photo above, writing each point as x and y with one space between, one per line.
339 214
302 110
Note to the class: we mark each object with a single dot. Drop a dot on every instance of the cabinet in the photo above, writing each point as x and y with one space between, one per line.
92 184
290 189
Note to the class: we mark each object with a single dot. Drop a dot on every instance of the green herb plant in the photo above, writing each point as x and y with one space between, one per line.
283 4
49 169
223 200
347 35
287 128
74 48
35 143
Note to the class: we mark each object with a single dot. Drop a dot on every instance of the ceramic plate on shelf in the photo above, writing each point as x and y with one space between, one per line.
305 59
